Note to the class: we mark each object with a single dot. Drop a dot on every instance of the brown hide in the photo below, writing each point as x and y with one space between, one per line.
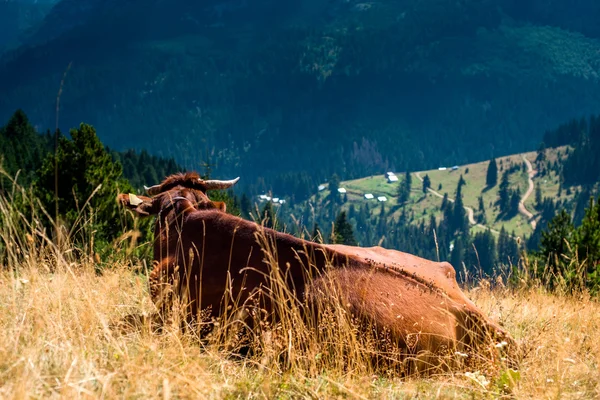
200 251
411 294
440 275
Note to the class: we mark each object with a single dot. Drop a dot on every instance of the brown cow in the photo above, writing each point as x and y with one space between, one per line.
204 253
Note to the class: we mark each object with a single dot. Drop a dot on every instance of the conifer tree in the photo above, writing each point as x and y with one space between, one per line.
457 254
540 159
555 243
334 185
459 221
481 218
21 148
404 189
382 222
491 177
245 206
85 168
504 194
515 199
444 202
343 231
538 197
481 255
268 217
587 236
426 183
508 249
461 181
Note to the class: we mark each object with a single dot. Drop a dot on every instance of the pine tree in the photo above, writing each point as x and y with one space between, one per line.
343 231
538 197
504 194
444 202
268 216
362 218
461 181
460 222
587 237
508 250
21 148
457 254
515 199
404 189
426 183
481 218
382 222
492 174
245 206
481 255
540 158
553 244
351 212
334 185
85 168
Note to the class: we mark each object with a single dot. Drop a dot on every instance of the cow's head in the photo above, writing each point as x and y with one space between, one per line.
182 191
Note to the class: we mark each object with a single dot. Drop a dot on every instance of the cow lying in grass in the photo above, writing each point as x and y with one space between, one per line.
210 260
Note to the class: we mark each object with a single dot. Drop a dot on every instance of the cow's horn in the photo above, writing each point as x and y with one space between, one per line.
216 185
152 190
134 200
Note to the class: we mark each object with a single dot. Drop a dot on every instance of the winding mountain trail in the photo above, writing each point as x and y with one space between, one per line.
470 212
522 209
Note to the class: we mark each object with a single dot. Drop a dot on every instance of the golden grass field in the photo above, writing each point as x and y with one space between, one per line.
59 339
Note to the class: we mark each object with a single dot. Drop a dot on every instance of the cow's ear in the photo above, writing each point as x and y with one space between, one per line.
142 205
220 205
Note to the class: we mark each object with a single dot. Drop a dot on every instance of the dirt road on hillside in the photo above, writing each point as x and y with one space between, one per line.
470 212
522 209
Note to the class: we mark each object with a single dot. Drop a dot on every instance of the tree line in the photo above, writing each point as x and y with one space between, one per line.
76 177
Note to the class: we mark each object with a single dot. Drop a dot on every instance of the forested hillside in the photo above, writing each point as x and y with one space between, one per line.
18 18
486 217
73 179
263 88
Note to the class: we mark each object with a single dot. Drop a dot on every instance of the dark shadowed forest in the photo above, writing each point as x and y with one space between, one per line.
265 88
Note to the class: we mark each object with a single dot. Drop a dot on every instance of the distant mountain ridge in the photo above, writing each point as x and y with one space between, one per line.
266 87
19 16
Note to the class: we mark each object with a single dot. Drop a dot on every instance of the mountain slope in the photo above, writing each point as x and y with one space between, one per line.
266 87
17 17
421 206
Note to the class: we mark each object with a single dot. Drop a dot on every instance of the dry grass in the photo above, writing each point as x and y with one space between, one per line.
63 333
58 340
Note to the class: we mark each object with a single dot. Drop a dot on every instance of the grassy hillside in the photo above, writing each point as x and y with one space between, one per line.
423 205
